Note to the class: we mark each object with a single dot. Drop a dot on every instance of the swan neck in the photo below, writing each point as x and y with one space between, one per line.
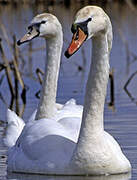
96 85
92 120
47 107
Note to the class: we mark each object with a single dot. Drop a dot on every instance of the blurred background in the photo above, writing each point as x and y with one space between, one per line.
21 68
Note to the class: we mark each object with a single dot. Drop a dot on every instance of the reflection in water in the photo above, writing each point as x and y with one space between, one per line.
42 177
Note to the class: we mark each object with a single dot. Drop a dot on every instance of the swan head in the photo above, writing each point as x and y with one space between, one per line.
89 22
43 25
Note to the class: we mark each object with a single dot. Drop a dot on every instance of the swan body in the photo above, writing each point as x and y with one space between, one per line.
47 146
69 109
14 128
15 124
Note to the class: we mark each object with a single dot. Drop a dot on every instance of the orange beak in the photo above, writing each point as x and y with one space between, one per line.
77 40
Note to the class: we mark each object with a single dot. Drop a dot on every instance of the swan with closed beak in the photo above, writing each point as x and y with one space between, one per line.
46 26
97 152
47 147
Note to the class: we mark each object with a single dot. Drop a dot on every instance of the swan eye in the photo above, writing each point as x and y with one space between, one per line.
89 19
82 25
30 28
43 22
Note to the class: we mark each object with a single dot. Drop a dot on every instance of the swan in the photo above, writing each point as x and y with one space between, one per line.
47 26
47 146
44 25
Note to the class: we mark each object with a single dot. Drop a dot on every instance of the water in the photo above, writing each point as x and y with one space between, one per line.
122 123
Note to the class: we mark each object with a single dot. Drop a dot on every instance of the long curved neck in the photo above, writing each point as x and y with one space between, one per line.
96 86
47 108
92 120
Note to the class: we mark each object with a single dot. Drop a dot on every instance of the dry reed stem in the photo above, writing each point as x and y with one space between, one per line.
17 76
38 72
15 63
126 85
7 70
111 104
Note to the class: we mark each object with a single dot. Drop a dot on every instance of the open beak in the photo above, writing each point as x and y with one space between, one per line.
28 36
77 40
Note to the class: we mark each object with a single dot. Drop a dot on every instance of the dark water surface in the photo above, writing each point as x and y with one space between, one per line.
122 123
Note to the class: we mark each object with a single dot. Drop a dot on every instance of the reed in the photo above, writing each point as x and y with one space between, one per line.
126 87
13 74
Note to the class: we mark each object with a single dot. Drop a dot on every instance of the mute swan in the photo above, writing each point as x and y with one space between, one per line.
47 147
44 25
47 26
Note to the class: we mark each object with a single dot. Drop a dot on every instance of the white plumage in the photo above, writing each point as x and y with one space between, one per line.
47 146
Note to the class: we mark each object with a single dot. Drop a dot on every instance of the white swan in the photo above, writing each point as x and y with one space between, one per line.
47 147
47 26
44 25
